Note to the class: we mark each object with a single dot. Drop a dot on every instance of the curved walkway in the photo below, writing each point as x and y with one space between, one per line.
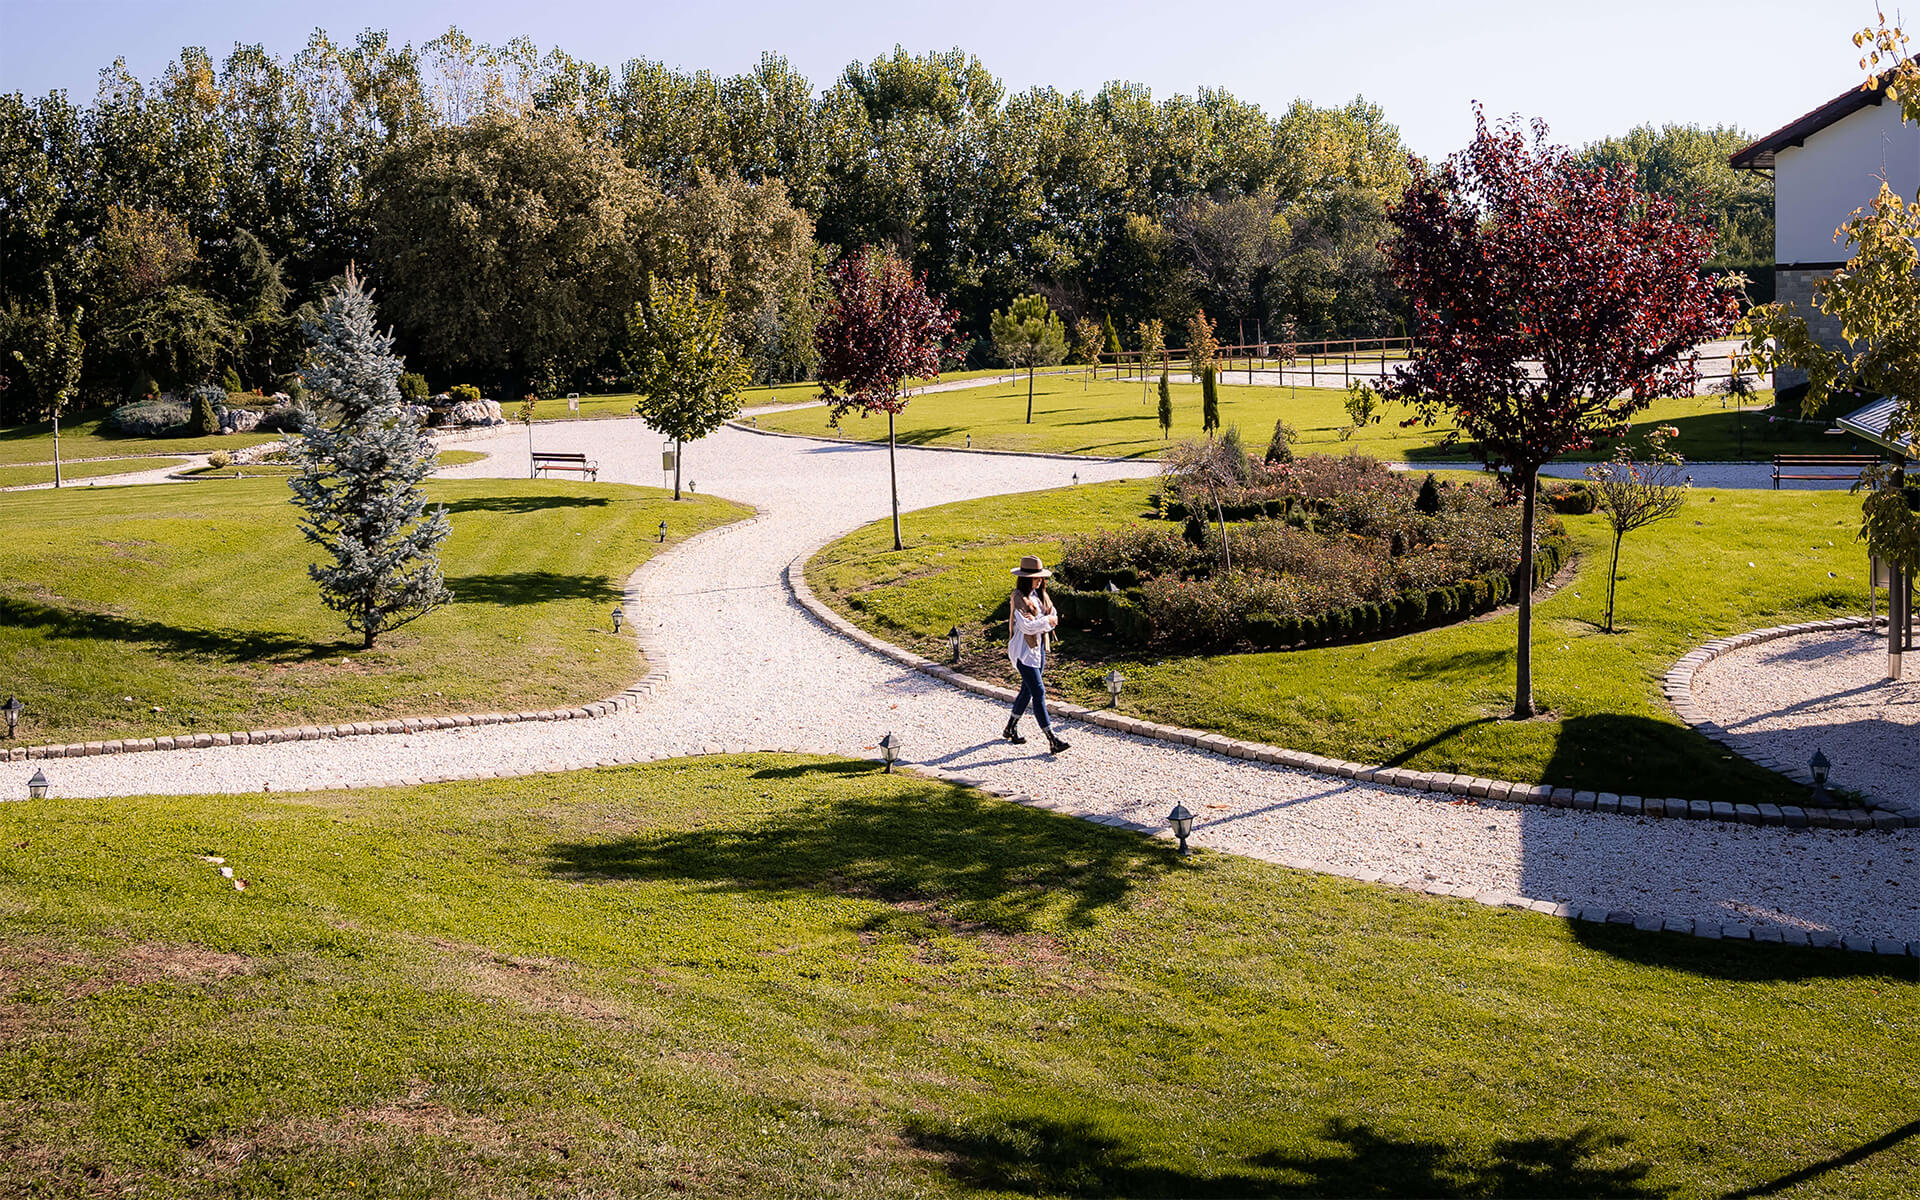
748 669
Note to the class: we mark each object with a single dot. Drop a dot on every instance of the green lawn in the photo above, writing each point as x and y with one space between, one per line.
1071 416
620 404
777 976
83 435
21 476
194 598
1731 562
446 458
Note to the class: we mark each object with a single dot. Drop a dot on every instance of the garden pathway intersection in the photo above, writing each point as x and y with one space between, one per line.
749 669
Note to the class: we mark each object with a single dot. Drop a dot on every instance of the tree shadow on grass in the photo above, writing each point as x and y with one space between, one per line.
531 587
1638 756
1739 962
925 437
523 504
1050 1156
231 645
984 861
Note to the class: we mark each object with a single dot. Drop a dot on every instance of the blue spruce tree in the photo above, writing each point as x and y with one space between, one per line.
360 472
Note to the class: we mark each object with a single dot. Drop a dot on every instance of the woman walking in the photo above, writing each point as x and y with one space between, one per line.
1031 619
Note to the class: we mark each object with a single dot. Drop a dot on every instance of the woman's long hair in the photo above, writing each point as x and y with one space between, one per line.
1026 585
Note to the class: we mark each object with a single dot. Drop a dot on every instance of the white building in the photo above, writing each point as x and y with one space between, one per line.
1825 165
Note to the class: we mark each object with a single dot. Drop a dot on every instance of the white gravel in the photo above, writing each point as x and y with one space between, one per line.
750 670
1825 691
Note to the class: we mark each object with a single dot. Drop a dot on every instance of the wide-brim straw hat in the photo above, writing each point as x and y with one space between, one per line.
1030 568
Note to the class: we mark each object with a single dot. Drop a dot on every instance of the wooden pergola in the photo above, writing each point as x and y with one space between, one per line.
1870 422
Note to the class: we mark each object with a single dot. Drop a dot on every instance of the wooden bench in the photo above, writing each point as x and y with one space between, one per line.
550 461
1807 466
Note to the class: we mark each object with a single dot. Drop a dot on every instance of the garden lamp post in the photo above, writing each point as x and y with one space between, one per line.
953 642
890 750
37 786
1181 822
1076 479
619 615
1819 765
1114 680
692 487
663 531
12 708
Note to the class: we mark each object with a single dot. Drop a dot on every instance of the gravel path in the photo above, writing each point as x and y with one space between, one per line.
1825 691
147 475
750 670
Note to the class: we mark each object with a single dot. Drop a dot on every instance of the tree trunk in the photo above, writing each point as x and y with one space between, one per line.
1523 660
1613 575
1226 549
56 447
678 453
893 481
1029 395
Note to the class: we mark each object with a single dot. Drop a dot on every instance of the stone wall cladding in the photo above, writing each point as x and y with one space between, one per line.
630 600
1794 285
1485 791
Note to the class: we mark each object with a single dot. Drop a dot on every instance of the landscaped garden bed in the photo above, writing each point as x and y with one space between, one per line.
1433 700
141 612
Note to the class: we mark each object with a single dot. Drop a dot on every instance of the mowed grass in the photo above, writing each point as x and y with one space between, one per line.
86 435
94 469
1731 562
446 458
620 404
778 976
1108 418
193 598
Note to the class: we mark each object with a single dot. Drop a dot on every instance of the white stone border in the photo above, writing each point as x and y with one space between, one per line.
631 597
1465 786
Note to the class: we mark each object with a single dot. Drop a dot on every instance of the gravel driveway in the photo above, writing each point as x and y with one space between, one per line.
750 670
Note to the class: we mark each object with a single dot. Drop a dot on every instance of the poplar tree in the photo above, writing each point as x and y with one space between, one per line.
360 475
1166 405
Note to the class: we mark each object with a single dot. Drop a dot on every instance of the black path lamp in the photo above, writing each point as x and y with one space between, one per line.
1114 681
619 615
1076 479
37 786
953 642
890 750
13 709
663 531
692 487
1819 765
1181 821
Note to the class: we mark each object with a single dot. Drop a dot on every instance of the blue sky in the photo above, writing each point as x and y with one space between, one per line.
1589 69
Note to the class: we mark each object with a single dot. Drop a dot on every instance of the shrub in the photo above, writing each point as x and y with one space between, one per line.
463 391
208 400
296 390
413 387
1123 557
1280 446
1572 497
230 381
219 459
1428 501
146 418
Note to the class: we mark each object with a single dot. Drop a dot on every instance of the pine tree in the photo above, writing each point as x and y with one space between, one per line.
1209 400
1166 405
360 474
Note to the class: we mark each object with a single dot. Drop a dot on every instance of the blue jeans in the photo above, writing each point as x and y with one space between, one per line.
1032 689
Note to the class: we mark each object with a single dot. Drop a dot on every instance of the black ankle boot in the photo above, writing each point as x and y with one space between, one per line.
1054 744
1012 732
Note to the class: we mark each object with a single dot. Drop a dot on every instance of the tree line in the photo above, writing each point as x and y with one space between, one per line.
510 205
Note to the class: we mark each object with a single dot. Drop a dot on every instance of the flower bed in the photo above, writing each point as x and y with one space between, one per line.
1322 549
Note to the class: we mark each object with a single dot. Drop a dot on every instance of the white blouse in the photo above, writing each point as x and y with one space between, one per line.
1019 649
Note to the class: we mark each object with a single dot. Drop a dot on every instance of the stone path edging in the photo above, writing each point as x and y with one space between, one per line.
1678 687
1464 786
630 599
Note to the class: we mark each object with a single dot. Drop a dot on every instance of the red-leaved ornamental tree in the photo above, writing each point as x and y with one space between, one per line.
880 329
1551 302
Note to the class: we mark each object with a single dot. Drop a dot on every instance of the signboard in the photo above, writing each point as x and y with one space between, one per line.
666 460
573 401
1882 578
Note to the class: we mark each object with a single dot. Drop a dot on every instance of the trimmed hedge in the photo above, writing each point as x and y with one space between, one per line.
1125 620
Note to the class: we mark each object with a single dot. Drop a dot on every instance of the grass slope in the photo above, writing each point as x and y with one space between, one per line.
620 404
774 976
1731 562
194 598
1107 418
69 472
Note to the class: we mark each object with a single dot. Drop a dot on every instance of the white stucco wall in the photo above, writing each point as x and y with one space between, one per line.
1817 186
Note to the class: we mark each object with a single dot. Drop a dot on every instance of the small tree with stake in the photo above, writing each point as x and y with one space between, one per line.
360 475
1513 254
1029 334
1166 405
52 359
1635 493
1087 336
880 329
688 369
